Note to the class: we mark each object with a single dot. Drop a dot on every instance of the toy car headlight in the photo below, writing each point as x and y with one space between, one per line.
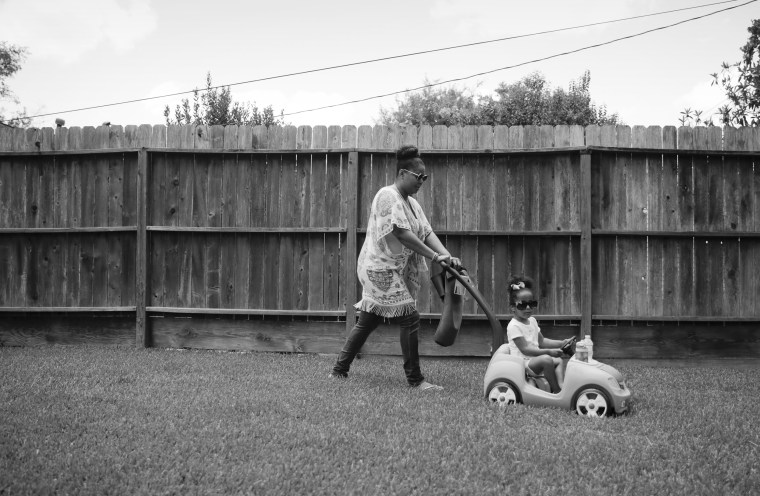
614 383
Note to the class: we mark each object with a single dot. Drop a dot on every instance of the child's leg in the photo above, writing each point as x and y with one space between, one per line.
559 367
544 364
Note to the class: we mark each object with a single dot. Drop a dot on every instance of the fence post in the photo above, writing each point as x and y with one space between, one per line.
141 263
586 260
351 224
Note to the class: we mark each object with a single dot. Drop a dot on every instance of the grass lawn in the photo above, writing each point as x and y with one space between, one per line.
94 420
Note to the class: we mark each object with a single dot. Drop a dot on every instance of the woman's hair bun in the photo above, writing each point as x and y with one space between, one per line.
407 152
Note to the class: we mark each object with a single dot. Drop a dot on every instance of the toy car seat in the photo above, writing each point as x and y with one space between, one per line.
537 380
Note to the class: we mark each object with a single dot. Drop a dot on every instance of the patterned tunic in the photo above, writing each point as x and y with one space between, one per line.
388 271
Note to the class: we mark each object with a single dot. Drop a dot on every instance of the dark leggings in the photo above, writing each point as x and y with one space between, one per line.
368 322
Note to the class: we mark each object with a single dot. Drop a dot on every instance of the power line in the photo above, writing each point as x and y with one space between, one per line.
382 59
569 52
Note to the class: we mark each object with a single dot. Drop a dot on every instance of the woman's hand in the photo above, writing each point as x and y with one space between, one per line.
449 260
554 352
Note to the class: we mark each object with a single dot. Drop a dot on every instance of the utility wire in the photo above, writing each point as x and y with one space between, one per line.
569 52
382 59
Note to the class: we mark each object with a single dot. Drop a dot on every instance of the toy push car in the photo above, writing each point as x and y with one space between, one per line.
593 389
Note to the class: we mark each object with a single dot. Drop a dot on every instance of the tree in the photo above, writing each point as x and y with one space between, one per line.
215 106
11 57
528 101
744 93
741 82
434 105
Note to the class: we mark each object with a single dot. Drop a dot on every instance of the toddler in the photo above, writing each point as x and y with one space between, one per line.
542 356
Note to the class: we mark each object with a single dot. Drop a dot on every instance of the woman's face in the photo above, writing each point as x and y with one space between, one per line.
412 178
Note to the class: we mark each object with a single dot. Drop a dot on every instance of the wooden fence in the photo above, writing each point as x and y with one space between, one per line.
246 238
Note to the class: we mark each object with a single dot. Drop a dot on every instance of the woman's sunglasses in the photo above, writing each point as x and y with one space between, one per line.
522 305
420 176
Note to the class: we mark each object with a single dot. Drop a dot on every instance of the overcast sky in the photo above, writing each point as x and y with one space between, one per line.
93 52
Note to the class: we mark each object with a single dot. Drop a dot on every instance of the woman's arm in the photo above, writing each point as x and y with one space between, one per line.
426 249
412 242
433 242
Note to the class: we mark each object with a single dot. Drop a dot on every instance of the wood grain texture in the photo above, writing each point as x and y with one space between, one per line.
683 242
676 340
77 330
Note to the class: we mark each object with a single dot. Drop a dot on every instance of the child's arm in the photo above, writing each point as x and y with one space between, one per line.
530 350
551 343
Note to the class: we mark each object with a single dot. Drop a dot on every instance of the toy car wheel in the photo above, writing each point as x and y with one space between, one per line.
502 393
592 402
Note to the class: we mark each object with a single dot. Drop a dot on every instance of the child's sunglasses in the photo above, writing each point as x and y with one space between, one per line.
522 305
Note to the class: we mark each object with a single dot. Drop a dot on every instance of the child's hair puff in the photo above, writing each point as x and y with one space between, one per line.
516 284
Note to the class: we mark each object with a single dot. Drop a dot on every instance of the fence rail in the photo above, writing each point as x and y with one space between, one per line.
615 224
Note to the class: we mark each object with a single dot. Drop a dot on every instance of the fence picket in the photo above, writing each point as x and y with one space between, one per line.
46 207
114 259
261 260
155 137
214 190
101 191
334 277
636 184
485 272
290 200
197 271
319 137
229 137
454 137
301 271
212 269
438 189
285 278
200 188
368 186
749 283
318 192
605 277
244 137
242 276
303 190
471 192
228 265
363 138
336 191
501 137
348 136
260 137
425 137
469 257
333 137
8 189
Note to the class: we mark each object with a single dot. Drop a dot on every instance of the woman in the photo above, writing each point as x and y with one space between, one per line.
390 265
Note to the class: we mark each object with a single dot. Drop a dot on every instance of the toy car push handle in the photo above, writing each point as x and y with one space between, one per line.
497 332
